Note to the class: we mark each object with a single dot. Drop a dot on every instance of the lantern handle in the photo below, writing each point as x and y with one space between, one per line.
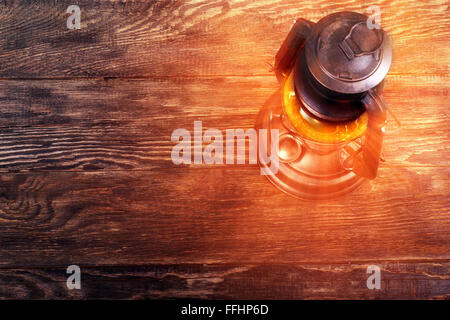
292 45
365 163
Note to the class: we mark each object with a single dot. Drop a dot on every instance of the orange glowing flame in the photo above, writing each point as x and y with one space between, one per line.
316 129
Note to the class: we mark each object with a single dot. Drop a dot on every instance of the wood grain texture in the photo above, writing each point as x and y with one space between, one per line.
127 124
186 38
398 281
86 177
218 215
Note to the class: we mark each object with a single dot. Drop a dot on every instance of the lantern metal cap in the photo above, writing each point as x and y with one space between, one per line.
346 56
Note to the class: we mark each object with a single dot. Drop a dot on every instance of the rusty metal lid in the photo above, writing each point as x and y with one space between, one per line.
345 56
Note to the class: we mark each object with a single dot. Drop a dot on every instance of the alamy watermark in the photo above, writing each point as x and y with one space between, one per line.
263 146
374 280
74 280
374 20
74 20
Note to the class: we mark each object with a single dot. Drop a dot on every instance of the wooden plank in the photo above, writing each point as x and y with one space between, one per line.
348 281
127 124
86 176
217 215
195 38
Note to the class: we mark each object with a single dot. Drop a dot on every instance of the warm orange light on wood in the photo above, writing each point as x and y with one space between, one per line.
315 129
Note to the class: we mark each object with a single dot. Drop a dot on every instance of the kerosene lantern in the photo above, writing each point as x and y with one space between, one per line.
328 111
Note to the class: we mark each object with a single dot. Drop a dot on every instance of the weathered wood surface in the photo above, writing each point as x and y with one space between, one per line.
217 215
185 38
398 281
127 124
86 176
